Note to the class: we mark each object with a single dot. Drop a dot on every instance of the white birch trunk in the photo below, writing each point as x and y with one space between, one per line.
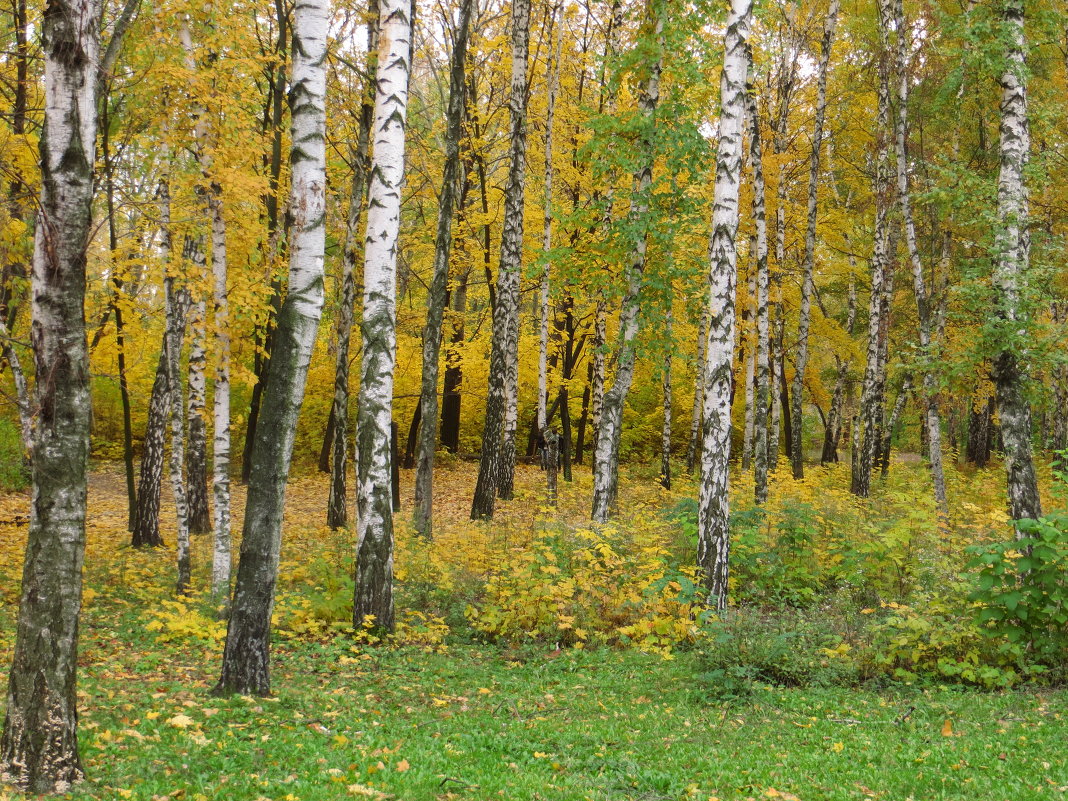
1010 272
220 562
932 418
713 529
606 445
373 597
246 658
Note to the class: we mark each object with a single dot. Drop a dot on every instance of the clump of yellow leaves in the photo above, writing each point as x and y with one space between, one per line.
573 587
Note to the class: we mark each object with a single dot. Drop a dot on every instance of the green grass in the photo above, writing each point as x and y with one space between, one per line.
480 722
13 473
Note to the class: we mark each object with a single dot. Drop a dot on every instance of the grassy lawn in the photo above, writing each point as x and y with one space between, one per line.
480 722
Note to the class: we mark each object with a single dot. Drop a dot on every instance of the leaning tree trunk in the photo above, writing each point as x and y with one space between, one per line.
246 665
924 312
609 429
336 441
373 594
713 529
504 349
762 391
797 455
435 300
1010 273
146 521
39 745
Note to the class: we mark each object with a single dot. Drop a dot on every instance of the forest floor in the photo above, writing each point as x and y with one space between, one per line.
447 713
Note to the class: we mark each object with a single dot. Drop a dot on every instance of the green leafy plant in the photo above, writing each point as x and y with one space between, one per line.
1022 588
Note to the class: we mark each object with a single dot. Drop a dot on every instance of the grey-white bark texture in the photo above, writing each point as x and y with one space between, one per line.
924 314
435 301
196 456
220 560
762 389
39 744
797 455
1011 273
373 594
713 527
246 657
749 346
871 401
609 429
497 460
337 514
177 301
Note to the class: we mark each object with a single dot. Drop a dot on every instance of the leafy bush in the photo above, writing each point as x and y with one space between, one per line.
574 587
1022 589
745 649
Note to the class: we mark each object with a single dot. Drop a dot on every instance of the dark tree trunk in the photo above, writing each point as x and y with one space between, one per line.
39 744
413 437
146 521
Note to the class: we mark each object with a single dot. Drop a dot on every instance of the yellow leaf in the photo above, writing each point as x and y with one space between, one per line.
402 766
180 721
947 728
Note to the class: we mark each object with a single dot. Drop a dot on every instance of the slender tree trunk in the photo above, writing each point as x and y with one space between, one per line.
146 521
694 448
609 429
39 745
599 367
497 461
836 413
797 455
932 417
713 529
874 374
747 335
337 515
272 125
246 665
762 391
117 285
373 594
1011 272
454 376
665 434
220 562
883 458
436 297
196 455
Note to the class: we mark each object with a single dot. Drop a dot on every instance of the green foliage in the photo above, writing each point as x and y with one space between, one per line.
13 473
1022 586
745 649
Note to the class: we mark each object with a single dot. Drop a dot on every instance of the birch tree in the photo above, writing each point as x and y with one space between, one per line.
373 594
609 429
713 531
435 302
797 455
39 744
337 505
924 312
246 656
1011 271
497 460
762 391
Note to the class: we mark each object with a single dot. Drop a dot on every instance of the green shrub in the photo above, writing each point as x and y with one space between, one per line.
1022 589
745 649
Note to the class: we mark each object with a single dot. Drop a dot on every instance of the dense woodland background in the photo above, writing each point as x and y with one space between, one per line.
736 332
